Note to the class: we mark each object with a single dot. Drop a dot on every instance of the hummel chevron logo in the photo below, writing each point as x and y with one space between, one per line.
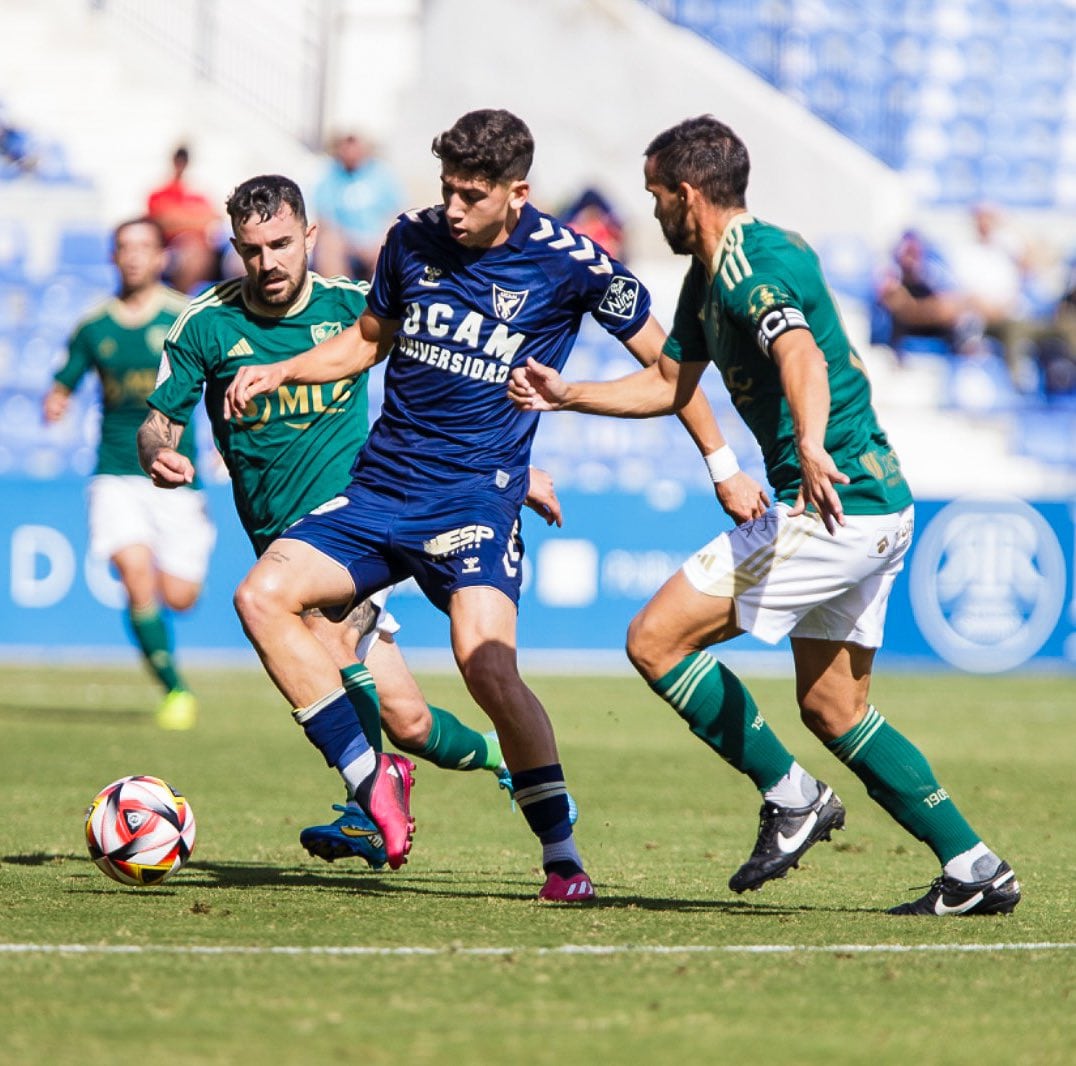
241 347
583 247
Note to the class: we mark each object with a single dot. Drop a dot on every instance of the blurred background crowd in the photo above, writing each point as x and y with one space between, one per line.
925 150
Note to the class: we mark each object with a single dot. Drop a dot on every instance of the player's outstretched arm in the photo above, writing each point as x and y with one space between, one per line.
350 353
806 386
740 495
542 497
654 390
158 437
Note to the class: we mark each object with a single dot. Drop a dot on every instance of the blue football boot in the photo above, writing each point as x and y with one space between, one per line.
352 834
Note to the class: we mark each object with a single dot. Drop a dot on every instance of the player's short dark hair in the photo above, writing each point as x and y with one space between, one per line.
495 146
264 196
707 155
142 220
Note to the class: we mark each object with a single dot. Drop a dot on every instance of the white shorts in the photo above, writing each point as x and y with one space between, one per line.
788 576
384 624
126 509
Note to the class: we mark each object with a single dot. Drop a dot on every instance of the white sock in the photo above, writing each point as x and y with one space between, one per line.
971 865
796 789
561 851
359 770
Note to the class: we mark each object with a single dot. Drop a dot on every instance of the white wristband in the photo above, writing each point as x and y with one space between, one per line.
722 464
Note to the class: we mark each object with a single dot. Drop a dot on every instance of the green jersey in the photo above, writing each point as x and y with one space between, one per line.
767 281
291 450
125 352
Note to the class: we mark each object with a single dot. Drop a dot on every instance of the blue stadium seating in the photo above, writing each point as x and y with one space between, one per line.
1001 68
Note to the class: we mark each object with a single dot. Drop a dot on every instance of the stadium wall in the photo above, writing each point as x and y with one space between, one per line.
990 585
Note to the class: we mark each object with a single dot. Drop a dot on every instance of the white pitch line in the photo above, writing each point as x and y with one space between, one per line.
564 949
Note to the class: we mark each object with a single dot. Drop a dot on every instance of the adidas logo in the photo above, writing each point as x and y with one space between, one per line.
241 347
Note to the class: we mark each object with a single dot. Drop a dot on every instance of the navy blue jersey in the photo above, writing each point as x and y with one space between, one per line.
467 318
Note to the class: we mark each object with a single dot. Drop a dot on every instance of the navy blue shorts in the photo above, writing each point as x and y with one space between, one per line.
444 542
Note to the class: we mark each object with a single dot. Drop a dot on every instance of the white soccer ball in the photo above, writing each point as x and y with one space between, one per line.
139 830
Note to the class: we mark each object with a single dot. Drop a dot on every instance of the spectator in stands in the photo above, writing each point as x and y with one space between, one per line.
354 202
921 301
989 268
17 154
592 215
189 222
159 542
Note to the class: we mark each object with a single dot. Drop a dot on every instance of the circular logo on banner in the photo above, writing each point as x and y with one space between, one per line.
987 584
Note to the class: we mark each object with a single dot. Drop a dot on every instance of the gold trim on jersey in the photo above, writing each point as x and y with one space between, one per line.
220 294
338 281
729 260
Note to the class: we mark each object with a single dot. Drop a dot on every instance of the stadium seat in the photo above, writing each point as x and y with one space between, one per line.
86 253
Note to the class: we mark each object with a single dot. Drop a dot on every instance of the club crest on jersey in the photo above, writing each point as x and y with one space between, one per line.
324 330
506 304
764 298
621 297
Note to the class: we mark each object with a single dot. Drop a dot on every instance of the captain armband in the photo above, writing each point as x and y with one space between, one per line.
777 321
722 464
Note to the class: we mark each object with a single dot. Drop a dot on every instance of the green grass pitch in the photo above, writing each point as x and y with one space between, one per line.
257 953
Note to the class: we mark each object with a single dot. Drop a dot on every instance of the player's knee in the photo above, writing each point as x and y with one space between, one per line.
254 602
643 648
489 673
827 718
182 599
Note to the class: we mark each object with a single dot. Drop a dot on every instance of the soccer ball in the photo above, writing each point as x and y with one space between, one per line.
139 830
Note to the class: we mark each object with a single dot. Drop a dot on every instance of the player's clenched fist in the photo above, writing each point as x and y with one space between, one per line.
536 387
251 381
170 470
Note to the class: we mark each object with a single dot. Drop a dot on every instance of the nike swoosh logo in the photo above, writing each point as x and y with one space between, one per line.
940 906
799 837
351 831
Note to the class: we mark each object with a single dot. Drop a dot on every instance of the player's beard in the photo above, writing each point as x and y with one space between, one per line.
282 297
676 233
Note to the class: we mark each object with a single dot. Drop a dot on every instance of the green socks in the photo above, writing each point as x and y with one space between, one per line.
721 713
151 634
454 746
361 691
450 745
899 779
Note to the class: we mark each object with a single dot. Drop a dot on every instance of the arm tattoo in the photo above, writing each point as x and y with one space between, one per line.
156 432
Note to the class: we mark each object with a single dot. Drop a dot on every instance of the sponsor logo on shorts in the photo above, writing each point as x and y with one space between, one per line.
470 565
620 298
456 540
331 505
